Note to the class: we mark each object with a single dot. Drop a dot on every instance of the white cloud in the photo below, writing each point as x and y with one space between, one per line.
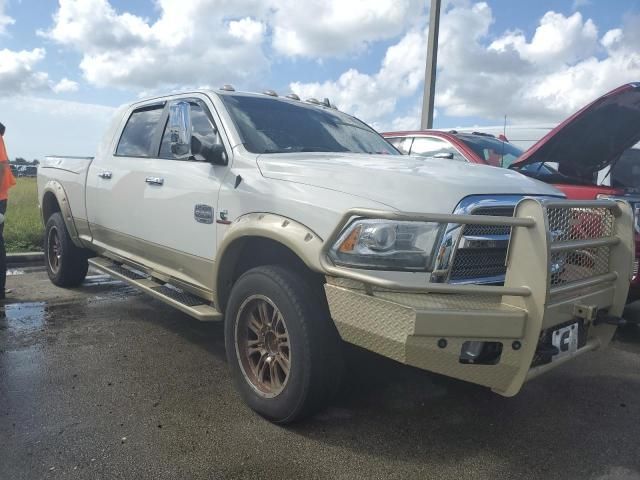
65 85
557 40
247 29
191 43
18 72
541 78
577 4
372 97
61 127
213 42
562 67
5 20
323 28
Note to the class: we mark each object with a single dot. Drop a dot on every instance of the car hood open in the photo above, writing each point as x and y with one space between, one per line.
593 137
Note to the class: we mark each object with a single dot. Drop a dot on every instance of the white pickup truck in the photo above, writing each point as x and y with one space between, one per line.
301 227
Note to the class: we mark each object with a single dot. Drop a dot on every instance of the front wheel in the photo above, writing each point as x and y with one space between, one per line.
282 347
67 265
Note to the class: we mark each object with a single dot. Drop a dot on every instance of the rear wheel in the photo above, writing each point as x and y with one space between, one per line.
67 264
283 349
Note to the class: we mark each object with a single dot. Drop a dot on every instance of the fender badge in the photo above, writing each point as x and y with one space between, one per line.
203 213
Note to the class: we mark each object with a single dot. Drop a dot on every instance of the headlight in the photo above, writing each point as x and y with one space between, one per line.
387 245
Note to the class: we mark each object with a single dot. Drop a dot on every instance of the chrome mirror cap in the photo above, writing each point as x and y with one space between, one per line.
180 128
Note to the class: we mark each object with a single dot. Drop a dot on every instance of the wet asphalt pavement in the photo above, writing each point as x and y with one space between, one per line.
104 382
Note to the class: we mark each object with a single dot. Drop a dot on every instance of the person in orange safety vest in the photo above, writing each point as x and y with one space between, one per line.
6 182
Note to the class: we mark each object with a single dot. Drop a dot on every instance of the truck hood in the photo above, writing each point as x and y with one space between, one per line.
401 182
593 137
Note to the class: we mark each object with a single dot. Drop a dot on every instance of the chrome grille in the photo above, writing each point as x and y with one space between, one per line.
489 230
476 261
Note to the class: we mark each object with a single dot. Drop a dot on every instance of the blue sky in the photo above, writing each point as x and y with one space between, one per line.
366 56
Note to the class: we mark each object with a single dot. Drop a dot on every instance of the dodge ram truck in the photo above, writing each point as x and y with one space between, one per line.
301 228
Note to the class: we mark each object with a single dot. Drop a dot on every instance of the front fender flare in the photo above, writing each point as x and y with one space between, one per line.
298 238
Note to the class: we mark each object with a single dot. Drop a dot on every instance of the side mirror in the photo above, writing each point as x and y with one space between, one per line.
180 128
216 154
213 153
446 155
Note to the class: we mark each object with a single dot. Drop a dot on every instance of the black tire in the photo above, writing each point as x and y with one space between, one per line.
314 345
66 263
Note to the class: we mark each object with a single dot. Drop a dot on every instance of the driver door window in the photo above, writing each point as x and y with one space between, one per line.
430 146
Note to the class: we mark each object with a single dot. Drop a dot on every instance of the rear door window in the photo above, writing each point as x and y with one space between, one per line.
138 134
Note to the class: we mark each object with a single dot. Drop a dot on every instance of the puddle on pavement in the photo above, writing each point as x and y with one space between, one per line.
23 316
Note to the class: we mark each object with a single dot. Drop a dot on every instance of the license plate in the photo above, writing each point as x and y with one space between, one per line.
565 339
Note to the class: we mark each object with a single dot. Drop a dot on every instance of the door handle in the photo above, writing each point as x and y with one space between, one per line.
154 180
105 175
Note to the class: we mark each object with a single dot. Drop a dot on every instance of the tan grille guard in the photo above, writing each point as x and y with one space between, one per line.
603 258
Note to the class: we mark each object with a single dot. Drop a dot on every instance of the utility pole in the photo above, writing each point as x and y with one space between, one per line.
430 69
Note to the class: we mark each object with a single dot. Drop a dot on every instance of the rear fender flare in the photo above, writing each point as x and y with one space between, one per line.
54 187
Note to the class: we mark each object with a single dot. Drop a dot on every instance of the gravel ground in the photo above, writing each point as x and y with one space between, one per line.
104 382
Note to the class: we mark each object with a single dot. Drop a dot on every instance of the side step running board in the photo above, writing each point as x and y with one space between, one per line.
184 301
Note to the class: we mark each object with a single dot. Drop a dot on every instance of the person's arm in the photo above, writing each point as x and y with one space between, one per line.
4 158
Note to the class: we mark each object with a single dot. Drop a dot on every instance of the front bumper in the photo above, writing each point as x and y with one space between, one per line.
635 279
426 327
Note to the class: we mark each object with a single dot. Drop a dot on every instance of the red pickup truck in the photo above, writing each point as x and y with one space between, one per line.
577 157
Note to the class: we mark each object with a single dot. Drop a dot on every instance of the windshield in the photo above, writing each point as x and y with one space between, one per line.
493 151
268 125
626 170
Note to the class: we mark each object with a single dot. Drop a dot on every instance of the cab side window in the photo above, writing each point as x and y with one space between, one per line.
138 134
430 146
203 131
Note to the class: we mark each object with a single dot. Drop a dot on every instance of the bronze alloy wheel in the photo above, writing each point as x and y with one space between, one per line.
54 250
262 345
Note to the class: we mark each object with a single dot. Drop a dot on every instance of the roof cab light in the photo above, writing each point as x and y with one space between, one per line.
227 88
271 93
387 245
